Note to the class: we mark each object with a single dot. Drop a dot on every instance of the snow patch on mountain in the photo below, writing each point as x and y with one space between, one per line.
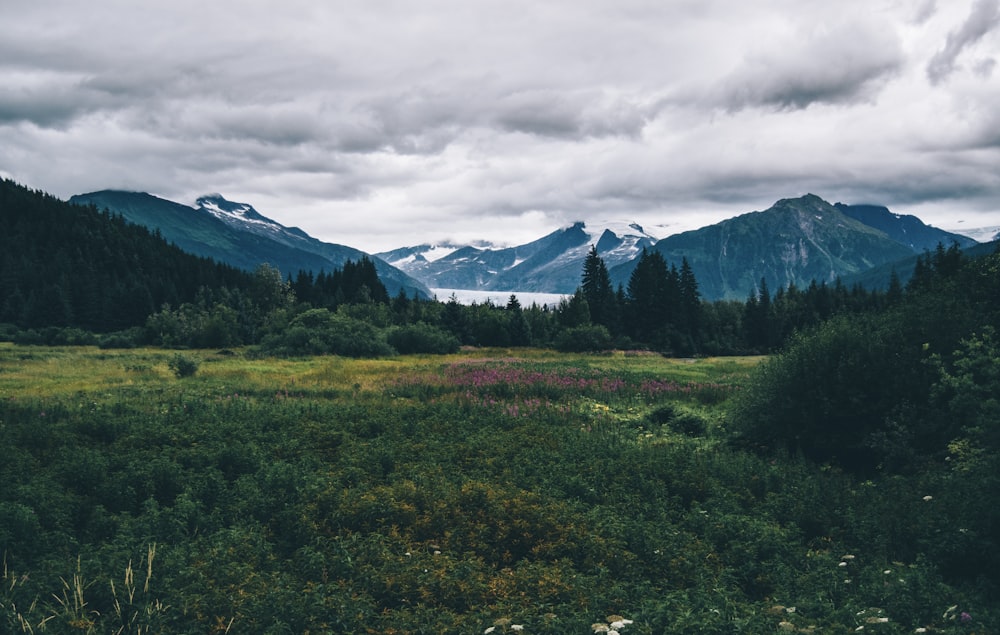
240 214
551 264
979 234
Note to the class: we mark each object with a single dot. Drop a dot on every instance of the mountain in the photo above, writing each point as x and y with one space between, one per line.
65 265
903 228
235 233
551 264
795 241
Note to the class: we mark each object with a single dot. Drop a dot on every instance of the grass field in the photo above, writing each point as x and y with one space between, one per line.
436 494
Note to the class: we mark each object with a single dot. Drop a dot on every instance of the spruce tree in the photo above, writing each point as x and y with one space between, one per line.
600 295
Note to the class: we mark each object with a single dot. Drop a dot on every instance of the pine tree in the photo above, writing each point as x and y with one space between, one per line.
600 295
649 298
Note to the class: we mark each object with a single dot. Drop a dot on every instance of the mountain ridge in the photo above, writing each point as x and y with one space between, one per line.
235 233
795 241
550 264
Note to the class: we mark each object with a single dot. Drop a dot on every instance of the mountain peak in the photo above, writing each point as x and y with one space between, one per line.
227 210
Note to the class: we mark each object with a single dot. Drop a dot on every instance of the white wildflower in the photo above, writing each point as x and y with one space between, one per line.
928 498
489 630
517 627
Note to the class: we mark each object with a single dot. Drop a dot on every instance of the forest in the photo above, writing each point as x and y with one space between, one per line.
304 454
74 275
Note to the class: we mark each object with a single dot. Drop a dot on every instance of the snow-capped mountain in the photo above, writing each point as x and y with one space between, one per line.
235 233
552 264
979 234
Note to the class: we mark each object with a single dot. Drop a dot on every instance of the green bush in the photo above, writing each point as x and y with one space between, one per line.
831 393
580 339
183 366
320 332
422 338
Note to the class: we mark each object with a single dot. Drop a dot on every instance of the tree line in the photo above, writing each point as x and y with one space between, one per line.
76 275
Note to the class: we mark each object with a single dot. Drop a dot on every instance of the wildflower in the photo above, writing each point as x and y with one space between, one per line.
887 572
920 630
786 626
965 617
517 627
842 564
489 630
598 627
928 498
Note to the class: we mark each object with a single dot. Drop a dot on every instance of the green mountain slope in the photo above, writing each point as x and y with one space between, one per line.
63 265
795 241
242 245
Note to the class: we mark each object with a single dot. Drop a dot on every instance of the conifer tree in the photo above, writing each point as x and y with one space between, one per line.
649 298
600 295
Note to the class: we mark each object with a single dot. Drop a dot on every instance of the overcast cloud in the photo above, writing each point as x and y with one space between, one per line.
383 123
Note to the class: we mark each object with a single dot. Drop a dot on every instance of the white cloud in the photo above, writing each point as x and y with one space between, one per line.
385 123
984 17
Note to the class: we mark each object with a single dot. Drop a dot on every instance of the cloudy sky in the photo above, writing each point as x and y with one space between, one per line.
383 123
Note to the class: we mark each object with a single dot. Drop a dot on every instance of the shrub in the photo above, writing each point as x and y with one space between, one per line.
320 332
183 366
121 339
422 338
582 339
679 419
831 392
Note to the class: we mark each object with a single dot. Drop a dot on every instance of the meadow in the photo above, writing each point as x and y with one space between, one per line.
488 491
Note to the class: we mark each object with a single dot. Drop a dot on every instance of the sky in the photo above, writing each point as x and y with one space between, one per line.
387 123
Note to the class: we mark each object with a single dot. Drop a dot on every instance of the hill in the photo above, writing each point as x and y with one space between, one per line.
235 233
66 265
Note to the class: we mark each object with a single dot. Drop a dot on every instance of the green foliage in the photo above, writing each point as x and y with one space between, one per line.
454 494
583 339
831 391
320 332
422 338
183 366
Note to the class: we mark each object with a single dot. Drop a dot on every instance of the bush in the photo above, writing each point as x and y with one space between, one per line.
130 338
422 338
679 419
183 366
320 332
583 339
8 332
832 391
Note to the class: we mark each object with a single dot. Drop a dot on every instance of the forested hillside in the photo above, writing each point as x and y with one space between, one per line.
62 265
